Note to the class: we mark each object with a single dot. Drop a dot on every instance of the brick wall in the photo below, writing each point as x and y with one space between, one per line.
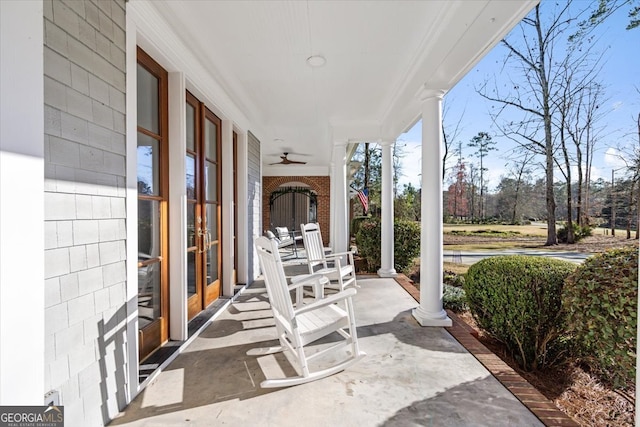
85 298
320 184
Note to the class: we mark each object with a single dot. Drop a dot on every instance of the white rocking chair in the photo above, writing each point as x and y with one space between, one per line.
317 260
304 324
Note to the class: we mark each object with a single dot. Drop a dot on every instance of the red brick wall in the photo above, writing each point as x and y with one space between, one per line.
320 184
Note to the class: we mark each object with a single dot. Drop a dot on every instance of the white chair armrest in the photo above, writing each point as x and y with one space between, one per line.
314 280
305 279
339 254
332 299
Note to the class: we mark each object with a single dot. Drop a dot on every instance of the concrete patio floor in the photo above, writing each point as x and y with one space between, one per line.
410 376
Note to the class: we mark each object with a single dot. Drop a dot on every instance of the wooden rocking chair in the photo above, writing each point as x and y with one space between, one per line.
304 324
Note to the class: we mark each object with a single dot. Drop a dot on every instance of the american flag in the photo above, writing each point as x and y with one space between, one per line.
363 195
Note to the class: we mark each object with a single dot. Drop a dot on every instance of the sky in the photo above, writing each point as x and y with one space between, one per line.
620 74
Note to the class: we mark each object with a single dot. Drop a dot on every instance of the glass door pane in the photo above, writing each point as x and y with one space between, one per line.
148 100
148 169
211 140
153 248
149 297
195 239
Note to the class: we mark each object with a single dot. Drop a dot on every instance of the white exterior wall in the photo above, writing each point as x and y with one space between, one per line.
65 132
85 241
254 204
22 240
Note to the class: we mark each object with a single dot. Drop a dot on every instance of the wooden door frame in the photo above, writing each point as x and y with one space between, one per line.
154 335
205 295
195 302
213 291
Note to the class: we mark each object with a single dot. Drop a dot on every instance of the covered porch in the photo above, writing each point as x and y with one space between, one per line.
410 376
129 122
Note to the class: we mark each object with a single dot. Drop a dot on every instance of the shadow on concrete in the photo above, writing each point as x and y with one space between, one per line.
407 330
203 375
485 403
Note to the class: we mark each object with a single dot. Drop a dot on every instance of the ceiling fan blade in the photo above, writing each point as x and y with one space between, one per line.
286 161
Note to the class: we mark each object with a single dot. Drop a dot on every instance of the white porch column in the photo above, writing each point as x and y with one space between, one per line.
387 238
227 209
431 312
22 259
178 207
332 204
340 242
243 238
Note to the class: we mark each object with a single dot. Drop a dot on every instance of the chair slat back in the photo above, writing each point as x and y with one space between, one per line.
283 233
274 277
313 244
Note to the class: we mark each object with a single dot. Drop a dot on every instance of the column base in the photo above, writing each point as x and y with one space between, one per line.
430 319
387 272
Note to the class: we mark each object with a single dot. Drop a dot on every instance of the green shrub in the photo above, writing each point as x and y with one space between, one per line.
452 279
454 298
368 243
356 221
517 299
406 243
601 302
579 233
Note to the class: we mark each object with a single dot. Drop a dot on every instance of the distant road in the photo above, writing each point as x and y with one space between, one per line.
470 257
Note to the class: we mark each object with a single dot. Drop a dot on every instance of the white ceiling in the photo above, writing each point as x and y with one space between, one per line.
379 55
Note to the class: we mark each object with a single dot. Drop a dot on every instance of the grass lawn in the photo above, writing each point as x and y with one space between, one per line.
490 246
496 229
455 267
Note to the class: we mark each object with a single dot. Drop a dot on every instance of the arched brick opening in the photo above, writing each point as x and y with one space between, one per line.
321 185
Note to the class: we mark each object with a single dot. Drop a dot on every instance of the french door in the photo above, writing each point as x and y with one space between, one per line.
203 173
153 194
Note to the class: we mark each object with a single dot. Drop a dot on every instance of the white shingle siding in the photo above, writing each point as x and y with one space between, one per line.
85 247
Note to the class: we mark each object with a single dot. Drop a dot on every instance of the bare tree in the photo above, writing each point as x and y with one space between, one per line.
572 121
636 178
449 136
539 53
520 170
631 158
585 133
472 189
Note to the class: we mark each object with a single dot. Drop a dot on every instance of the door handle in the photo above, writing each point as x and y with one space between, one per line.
202 240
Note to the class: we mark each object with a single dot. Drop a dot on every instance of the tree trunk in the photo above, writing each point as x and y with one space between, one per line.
579 214
552 237
630 215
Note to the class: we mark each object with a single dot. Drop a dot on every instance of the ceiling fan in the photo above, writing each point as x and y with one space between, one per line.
286 161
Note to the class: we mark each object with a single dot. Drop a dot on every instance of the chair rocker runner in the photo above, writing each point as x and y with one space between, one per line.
318 261
304 324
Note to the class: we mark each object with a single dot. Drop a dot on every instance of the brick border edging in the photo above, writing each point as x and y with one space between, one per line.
530 397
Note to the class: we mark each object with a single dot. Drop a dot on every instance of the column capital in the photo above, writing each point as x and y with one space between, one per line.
340 143
425 93
387 142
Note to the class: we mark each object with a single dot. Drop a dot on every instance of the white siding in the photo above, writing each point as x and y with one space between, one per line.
84 97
